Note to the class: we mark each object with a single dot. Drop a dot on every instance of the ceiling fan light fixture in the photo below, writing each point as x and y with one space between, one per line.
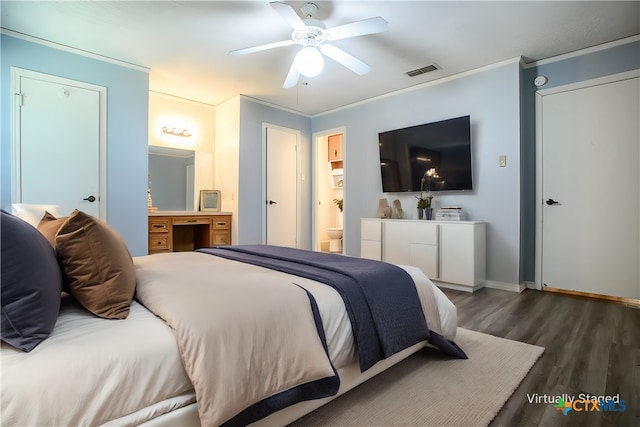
309 61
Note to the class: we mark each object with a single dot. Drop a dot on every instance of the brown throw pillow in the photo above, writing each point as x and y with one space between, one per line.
49 226
98 267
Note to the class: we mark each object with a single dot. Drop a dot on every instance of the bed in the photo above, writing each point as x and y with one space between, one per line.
142 369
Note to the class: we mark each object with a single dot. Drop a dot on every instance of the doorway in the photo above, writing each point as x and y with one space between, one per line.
58 143
588 226
280 186
328 190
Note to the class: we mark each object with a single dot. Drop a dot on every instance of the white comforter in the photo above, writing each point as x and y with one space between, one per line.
94 371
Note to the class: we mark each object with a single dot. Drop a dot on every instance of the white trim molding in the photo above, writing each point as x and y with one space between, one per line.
511 287
581 52
74 50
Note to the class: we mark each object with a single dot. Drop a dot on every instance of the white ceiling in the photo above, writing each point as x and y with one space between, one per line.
185 44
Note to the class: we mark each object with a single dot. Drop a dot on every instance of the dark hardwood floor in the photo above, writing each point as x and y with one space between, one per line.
591 346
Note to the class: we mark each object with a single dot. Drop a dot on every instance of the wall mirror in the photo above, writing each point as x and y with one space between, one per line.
171 178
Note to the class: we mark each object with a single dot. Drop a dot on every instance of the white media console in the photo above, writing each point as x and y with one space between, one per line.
450 253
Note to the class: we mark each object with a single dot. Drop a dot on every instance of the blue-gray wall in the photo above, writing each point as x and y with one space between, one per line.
500 100
127 124
491 98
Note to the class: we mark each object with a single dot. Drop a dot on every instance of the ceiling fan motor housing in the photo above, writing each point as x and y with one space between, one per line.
309 9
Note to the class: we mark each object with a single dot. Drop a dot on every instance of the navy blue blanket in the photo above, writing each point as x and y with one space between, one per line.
380 298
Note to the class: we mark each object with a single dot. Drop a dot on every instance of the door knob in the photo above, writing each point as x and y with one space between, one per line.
90 199
552 202
271 202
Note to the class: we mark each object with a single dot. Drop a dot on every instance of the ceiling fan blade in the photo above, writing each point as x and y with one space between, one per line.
261 47
289 15
342 57
292 76
358 28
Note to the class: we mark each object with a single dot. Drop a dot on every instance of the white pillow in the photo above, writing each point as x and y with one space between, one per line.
34 213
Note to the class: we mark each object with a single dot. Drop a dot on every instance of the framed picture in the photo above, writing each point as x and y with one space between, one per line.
210 200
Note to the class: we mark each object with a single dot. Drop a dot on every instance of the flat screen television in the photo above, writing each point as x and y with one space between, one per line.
438 152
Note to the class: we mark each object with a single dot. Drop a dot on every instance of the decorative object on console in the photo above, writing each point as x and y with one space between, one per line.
424 202
384 210
428 213
451 213
210 200
398 207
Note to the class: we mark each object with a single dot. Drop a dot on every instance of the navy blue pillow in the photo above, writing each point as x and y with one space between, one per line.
31 284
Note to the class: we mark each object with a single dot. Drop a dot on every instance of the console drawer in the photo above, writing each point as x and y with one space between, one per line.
191 220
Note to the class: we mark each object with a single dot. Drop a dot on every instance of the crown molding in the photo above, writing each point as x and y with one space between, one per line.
581 52
73 50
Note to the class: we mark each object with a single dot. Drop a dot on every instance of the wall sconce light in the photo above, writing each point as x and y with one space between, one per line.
176 131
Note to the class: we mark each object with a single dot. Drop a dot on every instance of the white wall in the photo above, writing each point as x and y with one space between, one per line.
227 160
491 97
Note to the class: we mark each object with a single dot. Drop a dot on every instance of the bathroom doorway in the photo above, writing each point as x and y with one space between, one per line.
329 188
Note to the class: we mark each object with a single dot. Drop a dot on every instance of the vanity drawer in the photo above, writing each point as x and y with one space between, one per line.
223 223
221 238
160 241
191 220
159 225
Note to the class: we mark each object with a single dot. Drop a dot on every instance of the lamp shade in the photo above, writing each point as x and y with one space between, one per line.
309 61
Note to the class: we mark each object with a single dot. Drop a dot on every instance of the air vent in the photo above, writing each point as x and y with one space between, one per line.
422 70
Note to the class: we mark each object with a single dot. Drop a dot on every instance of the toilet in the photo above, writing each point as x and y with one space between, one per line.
335 239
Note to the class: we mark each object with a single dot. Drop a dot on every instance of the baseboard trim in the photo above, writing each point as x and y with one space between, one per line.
631 302
511 287
455 287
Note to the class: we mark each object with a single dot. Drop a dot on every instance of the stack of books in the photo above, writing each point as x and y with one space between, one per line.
451 213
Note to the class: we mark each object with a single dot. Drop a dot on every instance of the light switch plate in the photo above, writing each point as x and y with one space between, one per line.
502 161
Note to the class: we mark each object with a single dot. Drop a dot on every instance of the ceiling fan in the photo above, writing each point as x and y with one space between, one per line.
315 38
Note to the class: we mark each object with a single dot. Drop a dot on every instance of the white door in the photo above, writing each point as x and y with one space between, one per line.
589 189
281 213
57 155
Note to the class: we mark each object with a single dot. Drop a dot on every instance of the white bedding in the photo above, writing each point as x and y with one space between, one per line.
94 371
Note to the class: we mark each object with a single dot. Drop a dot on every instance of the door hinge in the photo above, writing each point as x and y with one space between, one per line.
20 99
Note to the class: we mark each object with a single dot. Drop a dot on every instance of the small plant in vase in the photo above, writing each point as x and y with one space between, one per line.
338 202
424 202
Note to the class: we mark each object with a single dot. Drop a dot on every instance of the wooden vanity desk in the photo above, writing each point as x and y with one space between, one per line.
177 231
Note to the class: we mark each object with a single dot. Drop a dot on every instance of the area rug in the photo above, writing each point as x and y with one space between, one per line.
429 389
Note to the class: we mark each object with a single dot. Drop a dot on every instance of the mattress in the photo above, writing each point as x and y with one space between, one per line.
94 371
